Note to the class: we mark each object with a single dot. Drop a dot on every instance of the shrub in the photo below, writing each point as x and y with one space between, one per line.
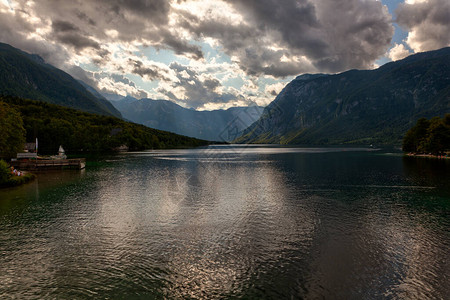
6 180
19 180
5 173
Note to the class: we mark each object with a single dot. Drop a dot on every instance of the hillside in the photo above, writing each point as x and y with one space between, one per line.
216 125
360 107
28 76
76 131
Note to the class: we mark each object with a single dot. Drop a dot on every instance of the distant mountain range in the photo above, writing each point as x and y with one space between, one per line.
215 125
361 107
28 76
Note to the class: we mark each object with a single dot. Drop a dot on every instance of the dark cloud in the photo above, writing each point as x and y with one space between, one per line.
156 10
247 43
181 46
211 84
295 21
150 72
273 92
63 26
15 30
83 17
77 41
117 78
428 23
134 20
197 92
104 54
326 36
70 35
277 38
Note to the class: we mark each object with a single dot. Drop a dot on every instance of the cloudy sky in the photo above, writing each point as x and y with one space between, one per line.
209 54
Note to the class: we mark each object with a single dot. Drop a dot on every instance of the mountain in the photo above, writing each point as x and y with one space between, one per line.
28 76
216 125
360 107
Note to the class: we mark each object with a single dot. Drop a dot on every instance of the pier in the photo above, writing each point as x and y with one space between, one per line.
49 164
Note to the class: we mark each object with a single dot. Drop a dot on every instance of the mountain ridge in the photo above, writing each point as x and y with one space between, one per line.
28 76
215 125
357 106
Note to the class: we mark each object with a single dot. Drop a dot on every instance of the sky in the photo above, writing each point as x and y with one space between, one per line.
214 54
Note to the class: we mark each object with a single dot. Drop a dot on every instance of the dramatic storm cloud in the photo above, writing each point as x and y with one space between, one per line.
298 36
215 53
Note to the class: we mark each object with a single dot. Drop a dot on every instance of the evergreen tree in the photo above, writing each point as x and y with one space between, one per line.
12 133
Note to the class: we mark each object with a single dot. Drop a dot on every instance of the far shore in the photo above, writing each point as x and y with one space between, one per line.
428 155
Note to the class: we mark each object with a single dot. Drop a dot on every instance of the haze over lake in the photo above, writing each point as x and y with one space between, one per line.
231 221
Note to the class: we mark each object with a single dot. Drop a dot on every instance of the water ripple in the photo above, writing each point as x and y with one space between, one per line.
230 223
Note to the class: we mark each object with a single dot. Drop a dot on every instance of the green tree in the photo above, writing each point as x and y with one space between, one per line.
414 140
447 120
428 136
409 141
4 172
79 131
438 139
12 132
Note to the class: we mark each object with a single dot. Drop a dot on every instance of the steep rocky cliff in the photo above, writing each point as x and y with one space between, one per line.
361 107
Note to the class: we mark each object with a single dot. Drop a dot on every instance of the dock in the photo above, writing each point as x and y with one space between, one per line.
49 164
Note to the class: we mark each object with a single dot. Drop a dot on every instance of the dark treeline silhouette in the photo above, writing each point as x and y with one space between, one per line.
77 131
429 136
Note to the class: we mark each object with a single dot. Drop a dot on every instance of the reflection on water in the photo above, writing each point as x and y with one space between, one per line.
231 221
423 171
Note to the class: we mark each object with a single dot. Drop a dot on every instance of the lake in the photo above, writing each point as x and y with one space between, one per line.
259 222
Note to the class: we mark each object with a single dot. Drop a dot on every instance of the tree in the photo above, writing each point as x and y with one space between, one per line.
438 139
12 132
79 131
428 136
414 140
4 172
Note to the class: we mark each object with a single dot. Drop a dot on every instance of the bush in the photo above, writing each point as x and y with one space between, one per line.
5 172
19 180
7 180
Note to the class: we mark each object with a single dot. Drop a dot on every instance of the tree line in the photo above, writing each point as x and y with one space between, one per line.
23 120
429 136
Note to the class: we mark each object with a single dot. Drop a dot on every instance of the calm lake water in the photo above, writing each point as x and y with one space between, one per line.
231 222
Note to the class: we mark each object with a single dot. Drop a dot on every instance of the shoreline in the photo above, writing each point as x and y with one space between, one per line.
15 181
427 156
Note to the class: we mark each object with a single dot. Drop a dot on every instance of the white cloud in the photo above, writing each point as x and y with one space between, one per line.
398 52
428 23
415 1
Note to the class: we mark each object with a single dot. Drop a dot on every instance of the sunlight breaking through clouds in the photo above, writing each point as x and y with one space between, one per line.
233 51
